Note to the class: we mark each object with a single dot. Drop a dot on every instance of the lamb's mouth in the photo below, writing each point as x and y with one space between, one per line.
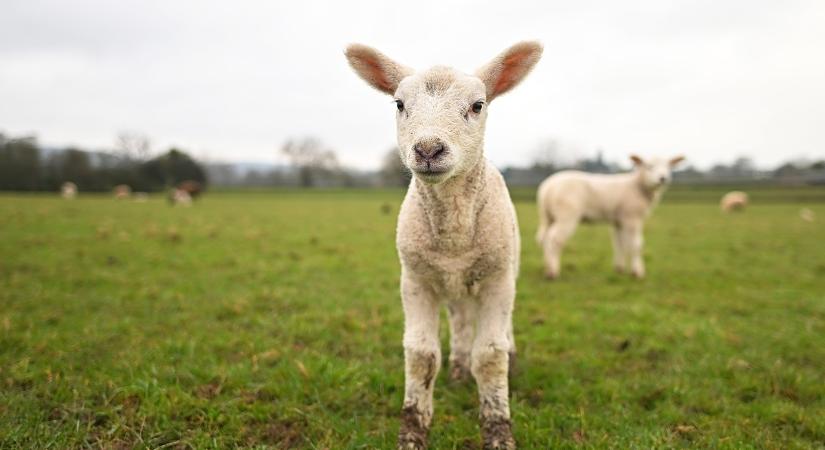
431 171
431 174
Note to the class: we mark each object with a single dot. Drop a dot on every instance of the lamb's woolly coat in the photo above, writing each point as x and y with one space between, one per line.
457 235
594 197
624 201
733 201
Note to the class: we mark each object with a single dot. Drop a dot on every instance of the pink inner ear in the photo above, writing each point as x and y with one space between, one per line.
377 74
512 70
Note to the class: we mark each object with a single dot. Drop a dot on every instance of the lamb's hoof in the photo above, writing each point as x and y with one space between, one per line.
551 276
459 373
619 269
497 434
413 433
638 275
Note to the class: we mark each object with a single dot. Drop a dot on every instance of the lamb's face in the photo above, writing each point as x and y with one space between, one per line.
440 114
655 173
441 111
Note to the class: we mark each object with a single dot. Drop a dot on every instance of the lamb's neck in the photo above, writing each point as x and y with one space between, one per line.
652 195
451 208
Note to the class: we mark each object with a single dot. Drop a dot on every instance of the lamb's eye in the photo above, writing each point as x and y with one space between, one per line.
400 105
477 107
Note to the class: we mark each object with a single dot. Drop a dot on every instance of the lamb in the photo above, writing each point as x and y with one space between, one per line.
122 191
180 197
733 201
68 190
192 187
457 236
623 200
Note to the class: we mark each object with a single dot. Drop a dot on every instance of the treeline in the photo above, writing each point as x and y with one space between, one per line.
310 163
740 170
25 166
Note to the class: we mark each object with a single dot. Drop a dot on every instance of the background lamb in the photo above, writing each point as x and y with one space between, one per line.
457 235
68 190
733 201
624 200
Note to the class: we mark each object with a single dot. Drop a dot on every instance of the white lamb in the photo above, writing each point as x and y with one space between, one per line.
457 234
623 200
733 201
68 190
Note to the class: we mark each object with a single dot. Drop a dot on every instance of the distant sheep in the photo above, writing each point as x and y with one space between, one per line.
122 191
570 197
807 215
68 190
457 235
734 201
180 197
191 187
141 197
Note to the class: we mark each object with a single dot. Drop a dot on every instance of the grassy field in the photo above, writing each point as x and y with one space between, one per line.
273 320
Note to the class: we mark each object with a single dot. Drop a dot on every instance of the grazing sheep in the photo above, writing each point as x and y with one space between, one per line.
807 215
193 188
68 190
623 200
457 235
180 197
733 201
122 191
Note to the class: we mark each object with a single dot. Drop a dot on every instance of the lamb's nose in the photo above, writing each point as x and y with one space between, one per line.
663 180
429 149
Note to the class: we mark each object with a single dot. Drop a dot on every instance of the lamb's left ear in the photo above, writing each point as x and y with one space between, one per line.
507 70
676 160
637 160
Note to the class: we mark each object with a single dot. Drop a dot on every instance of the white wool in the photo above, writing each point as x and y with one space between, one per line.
181 197
122 191
568 198
733 201
68 190
457 234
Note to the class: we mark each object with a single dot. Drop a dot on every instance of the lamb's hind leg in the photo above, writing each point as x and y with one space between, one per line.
620 252
490 363
462 314
554 241
422 359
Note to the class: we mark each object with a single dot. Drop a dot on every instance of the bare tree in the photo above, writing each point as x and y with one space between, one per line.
311 159
553 153
133 146
393 171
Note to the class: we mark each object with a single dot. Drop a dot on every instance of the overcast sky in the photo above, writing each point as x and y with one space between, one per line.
231 81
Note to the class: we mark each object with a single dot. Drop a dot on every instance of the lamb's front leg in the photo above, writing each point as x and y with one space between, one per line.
634 240
422 358
490 362
462 314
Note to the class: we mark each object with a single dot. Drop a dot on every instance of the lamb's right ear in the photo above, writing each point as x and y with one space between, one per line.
637 161
375 68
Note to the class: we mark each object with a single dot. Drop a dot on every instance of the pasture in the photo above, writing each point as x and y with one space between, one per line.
273 320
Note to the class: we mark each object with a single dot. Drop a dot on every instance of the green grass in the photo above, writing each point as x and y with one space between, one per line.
274 320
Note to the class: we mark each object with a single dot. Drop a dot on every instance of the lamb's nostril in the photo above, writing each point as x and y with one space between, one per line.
419 150
437 150
429 150
662 180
